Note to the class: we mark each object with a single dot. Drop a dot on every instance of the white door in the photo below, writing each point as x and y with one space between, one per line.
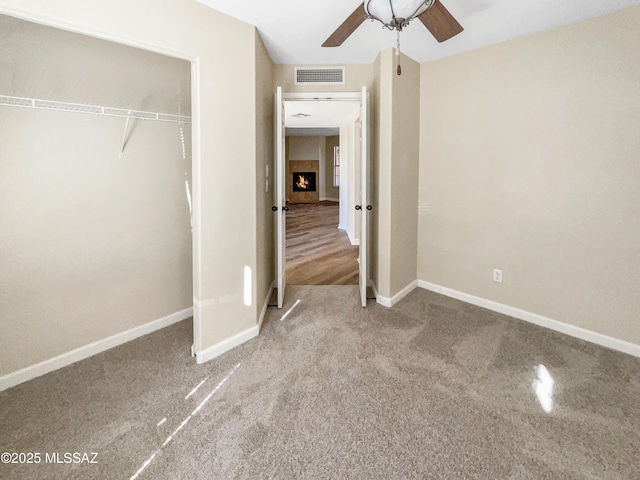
280 206
365 206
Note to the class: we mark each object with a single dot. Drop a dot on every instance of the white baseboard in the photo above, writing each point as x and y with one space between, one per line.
238 339
86 351
390 302
330 199
566 328
227 344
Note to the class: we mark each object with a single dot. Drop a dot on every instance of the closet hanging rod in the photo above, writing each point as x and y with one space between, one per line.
36 103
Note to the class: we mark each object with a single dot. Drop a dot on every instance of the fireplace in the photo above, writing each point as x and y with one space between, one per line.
304 181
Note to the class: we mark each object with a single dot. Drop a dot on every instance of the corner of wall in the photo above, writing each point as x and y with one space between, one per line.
265 174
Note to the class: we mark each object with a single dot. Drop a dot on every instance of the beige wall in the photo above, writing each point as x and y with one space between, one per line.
396 156
382 172
224 145
356 77
529 163
264 274
92 244
304 148
374 172
404 174
331 192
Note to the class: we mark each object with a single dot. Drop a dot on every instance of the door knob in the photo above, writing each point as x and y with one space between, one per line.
285 208
274 209
369 207
358 207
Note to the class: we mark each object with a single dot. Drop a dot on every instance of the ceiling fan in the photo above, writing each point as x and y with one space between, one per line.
395 15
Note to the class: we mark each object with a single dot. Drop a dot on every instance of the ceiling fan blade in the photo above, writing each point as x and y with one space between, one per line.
349 26
440 22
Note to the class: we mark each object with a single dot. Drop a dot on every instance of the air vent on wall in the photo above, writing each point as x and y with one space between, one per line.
318 75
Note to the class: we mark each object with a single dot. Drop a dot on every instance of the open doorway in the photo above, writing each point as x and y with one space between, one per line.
356 196
322 174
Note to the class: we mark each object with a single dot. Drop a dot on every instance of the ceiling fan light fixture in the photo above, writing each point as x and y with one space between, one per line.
395 14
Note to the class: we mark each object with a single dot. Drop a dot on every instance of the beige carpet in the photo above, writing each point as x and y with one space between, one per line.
433 388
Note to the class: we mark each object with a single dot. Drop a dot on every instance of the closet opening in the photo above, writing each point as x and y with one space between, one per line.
95 192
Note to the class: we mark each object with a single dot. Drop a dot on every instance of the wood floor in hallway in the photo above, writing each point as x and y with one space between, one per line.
317 252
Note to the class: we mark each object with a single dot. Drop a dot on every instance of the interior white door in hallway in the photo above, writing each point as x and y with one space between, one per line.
364 206
280 207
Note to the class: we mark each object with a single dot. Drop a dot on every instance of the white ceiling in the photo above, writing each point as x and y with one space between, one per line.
293 30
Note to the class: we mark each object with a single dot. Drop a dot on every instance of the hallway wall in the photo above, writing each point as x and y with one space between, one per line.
396 132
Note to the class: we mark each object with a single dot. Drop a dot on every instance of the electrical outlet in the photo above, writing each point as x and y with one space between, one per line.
497 275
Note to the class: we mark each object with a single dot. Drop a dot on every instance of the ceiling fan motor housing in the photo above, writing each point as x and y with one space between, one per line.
396 14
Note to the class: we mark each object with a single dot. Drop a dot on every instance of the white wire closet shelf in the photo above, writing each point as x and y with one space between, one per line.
36 103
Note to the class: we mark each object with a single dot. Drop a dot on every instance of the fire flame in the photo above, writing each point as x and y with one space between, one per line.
302 182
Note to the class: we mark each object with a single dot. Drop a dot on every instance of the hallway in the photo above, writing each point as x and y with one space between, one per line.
317 252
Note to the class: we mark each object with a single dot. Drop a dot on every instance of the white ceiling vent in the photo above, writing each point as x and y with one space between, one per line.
318 75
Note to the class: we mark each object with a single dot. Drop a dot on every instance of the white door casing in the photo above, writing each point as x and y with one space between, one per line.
365 207
280 193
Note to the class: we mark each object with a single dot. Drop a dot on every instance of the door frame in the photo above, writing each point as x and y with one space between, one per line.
336 97
280 204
